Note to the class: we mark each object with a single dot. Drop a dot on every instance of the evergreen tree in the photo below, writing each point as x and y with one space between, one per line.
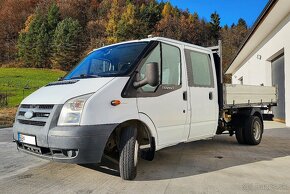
67 44
148 15
53 17
215 27
28 39
35 40
41 51
242 23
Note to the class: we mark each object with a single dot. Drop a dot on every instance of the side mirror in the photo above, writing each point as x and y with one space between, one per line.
151 76
60 79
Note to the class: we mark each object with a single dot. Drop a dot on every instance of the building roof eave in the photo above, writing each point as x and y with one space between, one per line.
271 3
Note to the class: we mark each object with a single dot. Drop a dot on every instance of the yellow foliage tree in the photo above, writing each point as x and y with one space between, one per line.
28 23
112 25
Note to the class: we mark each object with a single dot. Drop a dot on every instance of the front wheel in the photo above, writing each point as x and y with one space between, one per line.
129 149
253 130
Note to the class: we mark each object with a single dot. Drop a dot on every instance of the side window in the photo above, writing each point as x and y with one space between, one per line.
199 69
154 56
169 65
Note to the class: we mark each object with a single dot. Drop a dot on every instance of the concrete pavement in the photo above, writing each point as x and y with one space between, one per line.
209 166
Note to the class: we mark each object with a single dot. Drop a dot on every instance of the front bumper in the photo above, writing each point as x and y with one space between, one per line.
72 144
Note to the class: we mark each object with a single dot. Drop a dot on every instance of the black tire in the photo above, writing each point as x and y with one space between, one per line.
240 136
148 154
128 154
253 130
238 124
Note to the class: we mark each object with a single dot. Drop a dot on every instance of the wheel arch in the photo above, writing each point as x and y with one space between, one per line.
145 134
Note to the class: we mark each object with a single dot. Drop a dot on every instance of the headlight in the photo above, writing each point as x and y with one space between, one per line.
72 110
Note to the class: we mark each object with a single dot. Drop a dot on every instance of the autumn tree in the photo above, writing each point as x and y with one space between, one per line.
168 26
128 25
76 9
190 27
28 27
232 38
113 19
96 32
12 17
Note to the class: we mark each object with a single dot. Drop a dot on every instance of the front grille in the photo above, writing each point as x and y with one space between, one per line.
40 114
42 106
30 122
37 114
25 106
45 106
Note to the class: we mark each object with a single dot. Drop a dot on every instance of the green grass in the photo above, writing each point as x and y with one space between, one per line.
20 82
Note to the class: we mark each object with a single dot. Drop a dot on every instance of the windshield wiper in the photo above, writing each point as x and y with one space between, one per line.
82 76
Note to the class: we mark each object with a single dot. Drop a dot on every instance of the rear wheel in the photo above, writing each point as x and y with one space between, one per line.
129 149
253 130
240 136
238 123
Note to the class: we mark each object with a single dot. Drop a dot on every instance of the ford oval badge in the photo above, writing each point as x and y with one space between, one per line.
28 114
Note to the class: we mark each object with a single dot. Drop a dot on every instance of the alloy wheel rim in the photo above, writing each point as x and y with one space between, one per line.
136 148
257 130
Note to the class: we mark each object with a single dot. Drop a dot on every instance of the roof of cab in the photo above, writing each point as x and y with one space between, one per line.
162 39
177 42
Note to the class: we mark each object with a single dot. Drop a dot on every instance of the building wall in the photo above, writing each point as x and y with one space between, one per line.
256 69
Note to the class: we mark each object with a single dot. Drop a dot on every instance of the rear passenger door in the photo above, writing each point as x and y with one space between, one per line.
202 93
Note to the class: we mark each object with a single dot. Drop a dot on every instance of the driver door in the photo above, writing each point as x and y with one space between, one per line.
164 104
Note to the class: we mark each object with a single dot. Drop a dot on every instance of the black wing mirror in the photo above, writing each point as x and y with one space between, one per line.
151 77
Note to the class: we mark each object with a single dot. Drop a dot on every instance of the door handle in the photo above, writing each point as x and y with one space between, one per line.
184 95
210 95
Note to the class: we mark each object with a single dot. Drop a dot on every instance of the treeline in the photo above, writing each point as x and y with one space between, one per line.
57 33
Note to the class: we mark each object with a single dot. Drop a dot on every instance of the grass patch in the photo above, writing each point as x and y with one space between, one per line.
20 82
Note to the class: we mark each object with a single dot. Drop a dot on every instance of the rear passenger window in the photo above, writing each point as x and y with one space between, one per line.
199 69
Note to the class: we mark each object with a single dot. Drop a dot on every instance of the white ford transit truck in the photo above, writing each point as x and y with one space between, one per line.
134 98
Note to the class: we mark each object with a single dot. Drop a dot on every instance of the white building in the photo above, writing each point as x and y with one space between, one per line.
264 58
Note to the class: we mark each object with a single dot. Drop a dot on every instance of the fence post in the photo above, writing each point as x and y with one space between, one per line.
6 98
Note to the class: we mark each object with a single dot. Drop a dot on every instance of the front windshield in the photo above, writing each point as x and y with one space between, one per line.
112 61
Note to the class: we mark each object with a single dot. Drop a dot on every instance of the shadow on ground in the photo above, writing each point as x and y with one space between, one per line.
206 156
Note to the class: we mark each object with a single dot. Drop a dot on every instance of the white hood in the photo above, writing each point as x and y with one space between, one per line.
59 94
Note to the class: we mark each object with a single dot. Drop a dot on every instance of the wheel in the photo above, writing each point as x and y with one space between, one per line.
129 149
253 130
239 135
238 123
148 154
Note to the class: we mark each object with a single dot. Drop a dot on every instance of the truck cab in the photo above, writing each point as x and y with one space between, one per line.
124 101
